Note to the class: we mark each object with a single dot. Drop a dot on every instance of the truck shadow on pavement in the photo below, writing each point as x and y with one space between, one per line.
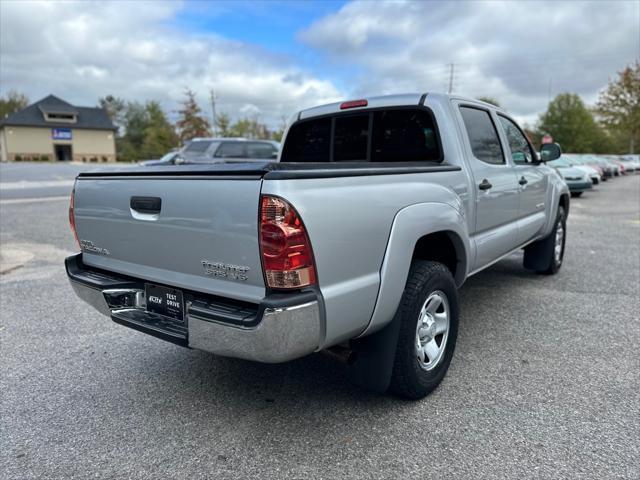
239 388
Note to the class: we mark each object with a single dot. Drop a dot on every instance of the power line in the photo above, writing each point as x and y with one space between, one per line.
212 94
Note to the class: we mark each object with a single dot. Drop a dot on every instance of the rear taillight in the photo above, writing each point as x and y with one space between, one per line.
72 217
287 258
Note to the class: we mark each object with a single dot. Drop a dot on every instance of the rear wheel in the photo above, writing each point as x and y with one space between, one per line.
428 330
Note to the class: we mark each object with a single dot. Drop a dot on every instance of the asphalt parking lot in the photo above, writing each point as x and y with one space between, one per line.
545 381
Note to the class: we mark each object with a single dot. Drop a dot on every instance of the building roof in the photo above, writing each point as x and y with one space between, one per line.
34 115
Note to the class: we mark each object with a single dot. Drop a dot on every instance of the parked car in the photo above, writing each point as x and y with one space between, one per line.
631 162
217 150
609 169
624 167
594 172
171 158
355 244
577 179
580 160
617 171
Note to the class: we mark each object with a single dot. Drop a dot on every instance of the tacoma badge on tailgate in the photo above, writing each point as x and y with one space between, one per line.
223 270
89 246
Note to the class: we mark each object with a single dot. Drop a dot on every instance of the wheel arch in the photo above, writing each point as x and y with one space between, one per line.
426 231
446 247
564 202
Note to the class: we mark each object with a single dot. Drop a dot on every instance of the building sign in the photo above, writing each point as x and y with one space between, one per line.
61 133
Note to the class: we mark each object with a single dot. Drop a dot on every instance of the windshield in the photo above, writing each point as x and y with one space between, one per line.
561 162
169 156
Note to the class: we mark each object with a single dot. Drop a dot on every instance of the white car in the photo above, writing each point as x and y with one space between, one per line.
565 161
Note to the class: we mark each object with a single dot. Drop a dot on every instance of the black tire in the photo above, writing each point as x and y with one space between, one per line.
576 194
409 379
540 256
555 265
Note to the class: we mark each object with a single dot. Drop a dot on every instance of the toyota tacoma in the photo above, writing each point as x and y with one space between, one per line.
355 242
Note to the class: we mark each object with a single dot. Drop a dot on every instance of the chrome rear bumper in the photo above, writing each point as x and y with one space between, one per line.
282 328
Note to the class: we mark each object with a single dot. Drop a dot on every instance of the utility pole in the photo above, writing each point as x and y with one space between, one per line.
451 71
214 127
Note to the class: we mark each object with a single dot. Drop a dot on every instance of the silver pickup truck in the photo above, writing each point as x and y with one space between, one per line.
354 243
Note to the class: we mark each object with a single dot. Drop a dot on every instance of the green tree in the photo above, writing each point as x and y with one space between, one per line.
490 100
116 109
159 135
223 124
619 105
192 123
249 128
13 102
572 125
136 122
279 133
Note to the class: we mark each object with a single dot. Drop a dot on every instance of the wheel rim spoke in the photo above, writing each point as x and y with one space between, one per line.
442 323
421 355
433 305
431 350
559 241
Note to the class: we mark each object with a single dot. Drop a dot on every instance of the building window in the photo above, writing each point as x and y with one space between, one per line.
60 117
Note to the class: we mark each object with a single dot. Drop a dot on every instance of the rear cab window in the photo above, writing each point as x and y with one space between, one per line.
387 135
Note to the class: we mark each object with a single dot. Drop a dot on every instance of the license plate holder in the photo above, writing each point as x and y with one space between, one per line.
165 301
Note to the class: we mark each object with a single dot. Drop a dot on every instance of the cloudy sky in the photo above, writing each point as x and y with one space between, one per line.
273 58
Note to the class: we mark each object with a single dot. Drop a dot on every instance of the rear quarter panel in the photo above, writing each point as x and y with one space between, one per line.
349 221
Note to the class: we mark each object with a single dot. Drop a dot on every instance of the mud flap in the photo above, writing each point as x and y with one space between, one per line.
539 255
376 353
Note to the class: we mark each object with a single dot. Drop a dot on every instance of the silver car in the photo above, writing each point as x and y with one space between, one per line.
225 150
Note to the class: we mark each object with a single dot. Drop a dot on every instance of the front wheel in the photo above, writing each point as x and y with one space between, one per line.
428 329
546 255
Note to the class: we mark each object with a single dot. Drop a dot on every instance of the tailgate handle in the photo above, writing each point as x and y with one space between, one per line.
146 204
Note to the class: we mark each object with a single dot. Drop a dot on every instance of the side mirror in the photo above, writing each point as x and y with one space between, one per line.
178 161
550 151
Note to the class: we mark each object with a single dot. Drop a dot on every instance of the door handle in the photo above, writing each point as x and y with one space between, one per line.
523 181
148 205
485 185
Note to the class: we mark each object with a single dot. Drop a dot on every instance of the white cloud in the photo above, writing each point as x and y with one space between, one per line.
507 50
84 50
512 51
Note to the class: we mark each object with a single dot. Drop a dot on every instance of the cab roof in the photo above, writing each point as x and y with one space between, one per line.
396 100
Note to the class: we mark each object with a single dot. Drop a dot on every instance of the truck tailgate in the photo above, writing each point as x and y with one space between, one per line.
196 233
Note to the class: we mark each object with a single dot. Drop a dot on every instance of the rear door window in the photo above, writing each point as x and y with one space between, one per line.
261 150
231 150
388 135
197 146
483 136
